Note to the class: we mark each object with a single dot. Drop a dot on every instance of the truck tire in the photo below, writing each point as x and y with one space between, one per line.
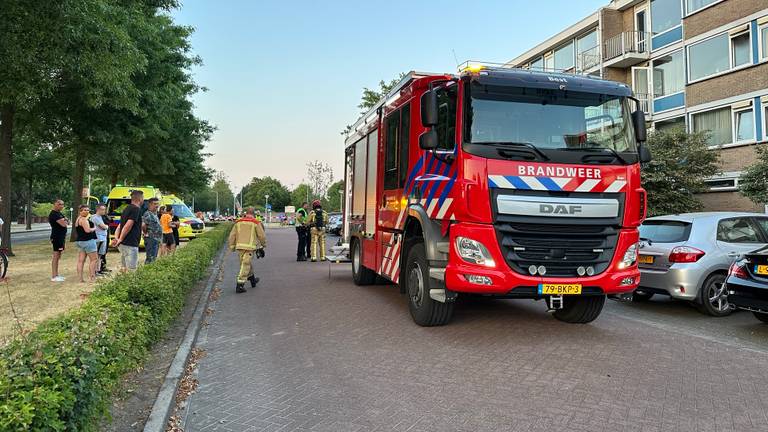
580 310
361 274
425 311
713 298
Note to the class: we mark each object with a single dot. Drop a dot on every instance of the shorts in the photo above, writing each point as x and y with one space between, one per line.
129 256
58 243
87 246
168 239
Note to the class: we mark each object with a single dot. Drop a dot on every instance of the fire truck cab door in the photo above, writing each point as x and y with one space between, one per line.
396 137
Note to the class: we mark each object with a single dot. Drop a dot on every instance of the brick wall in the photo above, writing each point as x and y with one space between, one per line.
737 158
728 201
720 14
743 81
618 74
612 23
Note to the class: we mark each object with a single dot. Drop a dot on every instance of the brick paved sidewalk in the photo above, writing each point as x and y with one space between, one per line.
305 353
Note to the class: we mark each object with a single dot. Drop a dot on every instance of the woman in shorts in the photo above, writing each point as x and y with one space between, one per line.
85 239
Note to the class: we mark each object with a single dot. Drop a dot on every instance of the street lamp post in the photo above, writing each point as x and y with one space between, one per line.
266 204
217 202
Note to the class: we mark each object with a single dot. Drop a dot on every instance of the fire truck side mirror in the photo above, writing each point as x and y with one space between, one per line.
638 120
429 108
428 140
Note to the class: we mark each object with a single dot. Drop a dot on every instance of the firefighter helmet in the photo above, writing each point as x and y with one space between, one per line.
316 203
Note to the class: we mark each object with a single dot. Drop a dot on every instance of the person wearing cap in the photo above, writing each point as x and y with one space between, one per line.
318 219
248 239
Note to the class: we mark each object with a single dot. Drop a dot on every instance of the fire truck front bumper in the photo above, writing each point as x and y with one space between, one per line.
491 275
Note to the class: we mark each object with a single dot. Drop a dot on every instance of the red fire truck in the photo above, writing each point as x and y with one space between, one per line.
498 182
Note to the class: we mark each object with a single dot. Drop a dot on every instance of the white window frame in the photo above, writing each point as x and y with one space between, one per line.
691 12
735 176
731 66
762 49
764 112
652 76
549 56
737 109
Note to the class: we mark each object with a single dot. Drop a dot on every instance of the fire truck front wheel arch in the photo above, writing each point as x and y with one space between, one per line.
361 275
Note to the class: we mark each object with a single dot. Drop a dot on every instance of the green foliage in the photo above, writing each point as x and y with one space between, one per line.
301 194
333 199
754 182
42 209
279 196
61 375
681 162
371 97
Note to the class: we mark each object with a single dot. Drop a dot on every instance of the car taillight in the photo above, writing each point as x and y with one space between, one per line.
685 254
738 270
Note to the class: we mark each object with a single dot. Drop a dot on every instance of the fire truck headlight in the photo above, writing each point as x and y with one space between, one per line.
630 257
474 252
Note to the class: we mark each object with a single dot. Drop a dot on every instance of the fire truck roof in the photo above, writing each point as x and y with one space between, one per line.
550 80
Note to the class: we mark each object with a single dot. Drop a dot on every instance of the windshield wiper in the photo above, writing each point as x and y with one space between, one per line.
527 145
613 152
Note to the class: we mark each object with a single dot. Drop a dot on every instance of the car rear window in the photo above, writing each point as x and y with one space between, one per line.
665 231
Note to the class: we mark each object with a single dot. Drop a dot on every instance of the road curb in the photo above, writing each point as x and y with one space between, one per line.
166 396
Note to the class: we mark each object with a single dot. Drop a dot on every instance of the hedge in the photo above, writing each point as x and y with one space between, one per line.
61 375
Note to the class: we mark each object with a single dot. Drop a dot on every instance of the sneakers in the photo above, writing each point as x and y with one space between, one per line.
240 288
254 280
58 279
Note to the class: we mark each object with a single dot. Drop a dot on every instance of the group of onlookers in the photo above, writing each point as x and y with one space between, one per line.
157 225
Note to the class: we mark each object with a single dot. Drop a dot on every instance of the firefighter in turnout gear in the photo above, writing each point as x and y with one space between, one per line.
318 219
302 251
248 239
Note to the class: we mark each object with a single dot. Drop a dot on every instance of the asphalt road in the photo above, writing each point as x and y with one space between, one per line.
22 237
307 352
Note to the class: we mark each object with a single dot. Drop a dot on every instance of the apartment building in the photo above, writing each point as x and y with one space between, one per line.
698 64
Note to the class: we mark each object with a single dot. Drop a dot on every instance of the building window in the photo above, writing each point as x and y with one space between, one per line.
549 62
742 49
537 64
665 14
670 125
717 123
692 6
765 120
708 57
668 74
587 51
722 184
764 40
719 54
744 120
564 59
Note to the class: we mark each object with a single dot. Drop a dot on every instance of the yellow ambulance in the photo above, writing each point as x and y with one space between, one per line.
189 225
119 197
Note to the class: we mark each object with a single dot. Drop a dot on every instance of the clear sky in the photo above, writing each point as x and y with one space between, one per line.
285 77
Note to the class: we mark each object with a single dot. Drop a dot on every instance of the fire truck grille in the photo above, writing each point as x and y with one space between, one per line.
562 249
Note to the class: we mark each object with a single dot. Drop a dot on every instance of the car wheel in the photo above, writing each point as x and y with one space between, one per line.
761 316
580 310
713 297
361 275
641 296
425 310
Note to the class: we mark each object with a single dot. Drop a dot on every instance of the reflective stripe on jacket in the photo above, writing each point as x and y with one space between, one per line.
247 234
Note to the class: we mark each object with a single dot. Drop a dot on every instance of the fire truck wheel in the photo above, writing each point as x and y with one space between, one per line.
425 311
580 310
360 274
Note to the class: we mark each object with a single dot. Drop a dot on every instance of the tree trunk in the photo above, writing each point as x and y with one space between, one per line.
30 183
78 180
6 142
113 180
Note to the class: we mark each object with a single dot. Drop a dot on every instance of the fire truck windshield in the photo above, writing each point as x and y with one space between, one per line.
543 119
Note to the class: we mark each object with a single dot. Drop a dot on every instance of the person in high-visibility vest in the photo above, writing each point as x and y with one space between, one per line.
302 251
318 219
248 239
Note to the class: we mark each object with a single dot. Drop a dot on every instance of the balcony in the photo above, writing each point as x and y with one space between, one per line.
589 59
645 102
626 49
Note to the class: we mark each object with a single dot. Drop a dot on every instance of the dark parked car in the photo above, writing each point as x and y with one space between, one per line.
747 283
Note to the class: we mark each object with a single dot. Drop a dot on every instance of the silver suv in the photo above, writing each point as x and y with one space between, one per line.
687 256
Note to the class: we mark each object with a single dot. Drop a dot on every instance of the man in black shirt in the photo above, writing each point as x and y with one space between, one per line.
59 224
128 233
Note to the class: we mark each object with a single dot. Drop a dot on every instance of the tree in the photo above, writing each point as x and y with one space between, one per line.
301 194
258 188
754 182
681 162
334 196
370 97
320 177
